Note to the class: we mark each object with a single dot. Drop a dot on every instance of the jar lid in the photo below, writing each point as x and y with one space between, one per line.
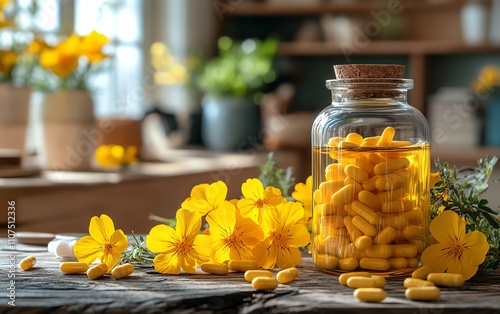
353 71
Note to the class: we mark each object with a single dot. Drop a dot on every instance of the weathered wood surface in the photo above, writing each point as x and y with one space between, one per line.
45 290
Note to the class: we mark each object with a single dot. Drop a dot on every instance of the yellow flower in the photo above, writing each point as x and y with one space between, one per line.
4 3
4 22
182 248
435 178
104 243
489 77
62 60
258 200
116 155
456 252
37 46
205 198
91 46
284 235
233 237
303 194
8 60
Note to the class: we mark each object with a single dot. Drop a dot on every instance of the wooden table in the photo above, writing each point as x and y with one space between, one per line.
44 289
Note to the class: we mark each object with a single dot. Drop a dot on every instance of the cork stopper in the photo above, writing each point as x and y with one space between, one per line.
353 71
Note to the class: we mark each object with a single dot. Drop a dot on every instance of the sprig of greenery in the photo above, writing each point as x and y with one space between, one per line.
138 253
460 192
272 175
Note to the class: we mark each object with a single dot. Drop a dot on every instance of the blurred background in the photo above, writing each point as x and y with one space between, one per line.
149 125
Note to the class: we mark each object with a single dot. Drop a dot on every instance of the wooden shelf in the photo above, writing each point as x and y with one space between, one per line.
275 9
383 48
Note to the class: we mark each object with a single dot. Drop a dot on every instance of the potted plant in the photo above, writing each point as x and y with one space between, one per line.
231 83
68 119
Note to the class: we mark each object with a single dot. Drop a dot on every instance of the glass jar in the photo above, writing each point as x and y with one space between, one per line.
371 167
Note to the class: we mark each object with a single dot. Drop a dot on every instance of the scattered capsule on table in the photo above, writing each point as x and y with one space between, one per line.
73 267
287 275
215 268
344 277
122 271
251 274
28 262
264 283
366 282
370 294
446 279
97 271
421 272
415 282
242 265
423 293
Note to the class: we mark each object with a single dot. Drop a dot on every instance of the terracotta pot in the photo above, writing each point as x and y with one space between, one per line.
14 108
70 131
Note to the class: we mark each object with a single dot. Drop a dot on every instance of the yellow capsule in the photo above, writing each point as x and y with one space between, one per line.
370 294
334 172
370 141
122 271
388 196
375 158
264 283
334 141
413 232
73 267
363 242
332 244
446 279
421 272
418 244
386 137
251 274
326 261
366 212
371 263
215 268
97 271
356 173
385 236
354 232
369 185
415 282
329 231
354 138
332 221
401 143
347 250
425 293
363 163
398 262
404 250
412 262
369 199
392 207
287 275
414 216
345 144
348 264
242 265
391 165
389 182
344 277
344 195
329 209
383 251
364 226
395 221
366 282
28 262
327 189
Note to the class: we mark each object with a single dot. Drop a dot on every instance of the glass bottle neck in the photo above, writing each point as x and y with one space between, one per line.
340 96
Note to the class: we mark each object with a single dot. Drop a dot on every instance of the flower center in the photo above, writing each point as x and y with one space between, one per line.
108 248
183 247
280 238
457 249
259 203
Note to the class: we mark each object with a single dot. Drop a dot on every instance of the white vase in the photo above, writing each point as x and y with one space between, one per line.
14 109
69 128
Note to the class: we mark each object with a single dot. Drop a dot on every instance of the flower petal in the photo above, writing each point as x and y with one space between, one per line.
435 256
87 250
119 241
476 247
161 239
188 223
265 254
299 236
461 267
216 193
447 227
252 189
101 228
288 257
110 259
202 246
167 264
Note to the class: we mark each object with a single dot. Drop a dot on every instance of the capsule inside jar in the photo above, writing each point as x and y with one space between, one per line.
371 200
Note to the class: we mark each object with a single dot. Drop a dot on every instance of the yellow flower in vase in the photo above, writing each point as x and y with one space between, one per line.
182 247
8 60
233 237
258 200
284 235
91 46
62 60
456 252
104 243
